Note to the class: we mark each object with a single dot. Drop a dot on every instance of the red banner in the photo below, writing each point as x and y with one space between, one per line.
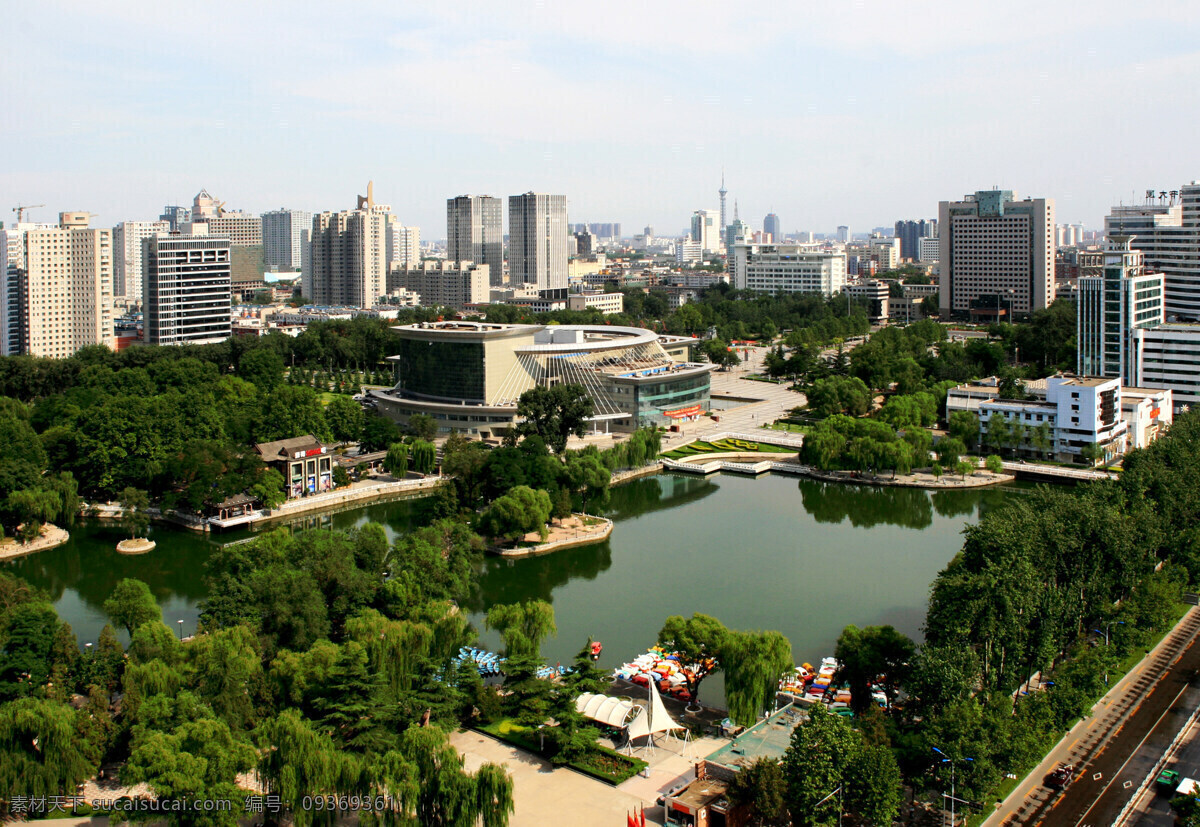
682 412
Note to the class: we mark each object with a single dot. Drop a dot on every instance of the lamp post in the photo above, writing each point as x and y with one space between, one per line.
1107 627
946 759
838 793
180 624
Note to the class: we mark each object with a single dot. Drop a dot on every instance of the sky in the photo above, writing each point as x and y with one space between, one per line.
828 112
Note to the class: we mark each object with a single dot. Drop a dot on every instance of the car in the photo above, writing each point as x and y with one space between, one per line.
1166 782
1061 778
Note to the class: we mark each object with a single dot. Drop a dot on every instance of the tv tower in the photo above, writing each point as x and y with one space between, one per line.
723 192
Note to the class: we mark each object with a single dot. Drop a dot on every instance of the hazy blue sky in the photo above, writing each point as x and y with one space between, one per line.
831 112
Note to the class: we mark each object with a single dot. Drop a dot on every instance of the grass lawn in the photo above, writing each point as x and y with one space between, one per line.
326 397
790 427
601 763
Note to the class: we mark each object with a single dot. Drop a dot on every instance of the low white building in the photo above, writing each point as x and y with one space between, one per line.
1077 411
606 303
787 268
1168 356
876 294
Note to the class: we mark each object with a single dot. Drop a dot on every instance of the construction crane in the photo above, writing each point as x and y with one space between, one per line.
21 208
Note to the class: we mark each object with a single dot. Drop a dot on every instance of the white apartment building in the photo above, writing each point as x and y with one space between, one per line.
403 245
537 240
58 287
787 268
1167 230
875 294
996 255
706 230
1116 296
349 257
475 232
688 252
129 258
606 303
1149 412
453 284
283 238
188 289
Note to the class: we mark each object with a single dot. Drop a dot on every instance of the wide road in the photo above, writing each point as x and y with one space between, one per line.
1119 744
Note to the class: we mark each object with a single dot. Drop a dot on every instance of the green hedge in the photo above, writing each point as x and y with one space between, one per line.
601 763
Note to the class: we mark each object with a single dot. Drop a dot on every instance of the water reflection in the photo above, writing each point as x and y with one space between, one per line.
539 576
866 506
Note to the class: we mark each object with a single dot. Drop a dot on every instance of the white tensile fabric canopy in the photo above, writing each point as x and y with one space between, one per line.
628 716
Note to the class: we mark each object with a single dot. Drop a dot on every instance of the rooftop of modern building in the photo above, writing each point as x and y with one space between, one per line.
768 738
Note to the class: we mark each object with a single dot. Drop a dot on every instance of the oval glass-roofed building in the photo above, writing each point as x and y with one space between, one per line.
469 375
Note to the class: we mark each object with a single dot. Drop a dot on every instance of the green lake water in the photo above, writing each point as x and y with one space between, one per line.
803 557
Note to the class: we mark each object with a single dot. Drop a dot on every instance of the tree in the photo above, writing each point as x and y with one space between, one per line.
1093 452
268 489
40 753
869 654
949 449
554 413
341 477
345 419
999 433
720 353
753 662
965 426
424 456
134 518
875 792
422 426
936 470
396 461
699 641
517 513
131 604
262 367
378 432
761 788
522 626
817 762
994 464
1042 438
964 467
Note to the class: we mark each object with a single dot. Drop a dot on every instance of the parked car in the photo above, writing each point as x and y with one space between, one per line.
1166 782
1062 777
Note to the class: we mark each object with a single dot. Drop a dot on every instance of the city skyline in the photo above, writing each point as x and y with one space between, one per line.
862 116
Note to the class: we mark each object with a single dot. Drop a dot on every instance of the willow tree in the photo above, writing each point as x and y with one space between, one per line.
753 663
522 626
57 764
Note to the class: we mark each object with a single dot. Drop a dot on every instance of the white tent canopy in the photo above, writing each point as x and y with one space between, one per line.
660 719
637 721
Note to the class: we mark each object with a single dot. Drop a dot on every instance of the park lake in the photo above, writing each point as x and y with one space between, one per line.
803 557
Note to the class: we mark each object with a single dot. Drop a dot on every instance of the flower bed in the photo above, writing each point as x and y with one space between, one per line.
601 763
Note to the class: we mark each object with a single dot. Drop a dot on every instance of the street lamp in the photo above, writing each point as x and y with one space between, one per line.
1107 627
838 793
946 759
180 623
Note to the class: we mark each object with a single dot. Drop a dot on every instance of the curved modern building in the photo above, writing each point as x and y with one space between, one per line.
469 375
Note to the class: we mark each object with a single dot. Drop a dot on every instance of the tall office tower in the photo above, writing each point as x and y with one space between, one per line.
648 231
475 232
283 247
244 232
1116 296
843 233
738 232
996 255
58 287
771 225
721 192
705 230
910 234
175 217
349 256
1167 229
129 258
537 240
188 295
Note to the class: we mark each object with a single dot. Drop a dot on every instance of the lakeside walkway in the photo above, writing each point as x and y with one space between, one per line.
51 536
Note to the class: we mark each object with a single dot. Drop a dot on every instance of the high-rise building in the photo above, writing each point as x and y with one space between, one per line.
910 234
537 240
403 244
771 225
244 231
283 247
475 232
928 249
188 288
738 232
996 255
787 268
705 230
1167 229
843 233
58 287
1116 296
586 243
176 217
349 256
129 257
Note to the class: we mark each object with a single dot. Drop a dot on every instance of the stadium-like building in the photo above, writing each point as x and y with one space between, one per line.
469 375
